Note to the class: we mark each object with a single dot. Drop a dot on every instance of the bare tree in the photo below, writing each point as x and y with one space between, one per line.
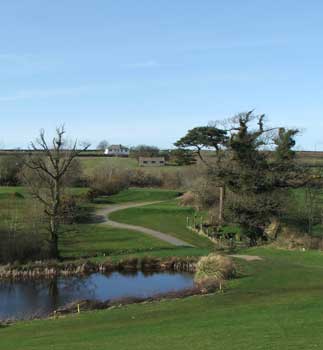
45 172
103 145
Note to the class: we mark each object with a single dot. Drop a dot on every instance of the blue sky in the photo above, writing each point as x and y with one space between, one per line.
146 71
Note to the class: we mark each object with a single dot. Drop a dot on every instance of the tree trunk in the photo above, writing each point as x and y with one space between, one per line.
54 221
53 244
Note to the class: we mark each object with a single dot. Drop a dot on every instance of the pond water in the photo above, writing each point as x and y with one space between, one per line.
23 299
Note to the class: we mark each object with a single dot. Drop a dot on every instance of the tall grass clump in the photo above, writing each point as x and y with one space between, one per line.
214 269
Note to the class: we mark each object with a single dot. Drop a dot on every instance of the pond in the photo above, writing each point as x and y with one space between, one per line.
23 299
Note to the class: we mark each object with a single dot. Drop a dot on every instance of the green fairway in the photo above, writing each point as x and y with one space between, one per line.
97 240
143 195
167 217
276 304
88 240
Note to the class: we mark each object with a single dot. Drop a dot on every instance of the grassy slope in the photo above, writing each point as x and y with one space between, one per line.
166 217
276 305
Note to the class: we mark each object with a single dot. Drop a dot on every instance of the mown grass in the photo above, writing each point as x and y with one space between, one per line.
167 217
142 195
99 240
275 304
89 240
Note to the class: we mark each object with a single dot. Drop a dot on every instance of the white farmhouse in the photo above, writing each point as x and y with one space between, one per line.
117 151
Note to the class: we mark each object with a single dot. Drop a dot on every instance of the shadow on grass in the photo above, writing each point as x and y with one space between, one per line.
103 200
3 325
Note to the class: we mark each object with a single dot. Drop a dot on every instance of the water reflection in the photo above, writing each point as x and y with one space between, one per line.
27 298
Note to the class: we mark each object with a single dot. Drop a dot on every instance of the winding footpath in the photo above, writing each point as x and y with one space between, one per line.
103 219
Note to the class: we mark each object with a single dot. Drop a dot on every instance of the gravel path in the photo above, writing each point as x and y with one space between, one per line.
103 219
247 257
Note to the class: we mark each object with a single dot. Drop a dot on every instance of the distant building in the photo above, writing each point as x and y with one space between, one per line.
117 151
152 161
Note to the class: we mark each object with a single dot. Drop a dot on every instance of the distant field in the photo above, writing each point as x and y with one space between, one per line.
310 158
92 160
90 164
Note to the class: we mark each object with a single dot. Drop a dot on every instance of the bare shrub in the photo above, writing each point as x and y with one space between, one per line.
206 192
10 168
74 176
141 178
72 211
172 180
188 199
109 180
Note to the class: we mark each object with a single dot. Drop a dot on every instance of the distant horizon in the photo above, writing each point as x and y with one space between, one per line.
129 146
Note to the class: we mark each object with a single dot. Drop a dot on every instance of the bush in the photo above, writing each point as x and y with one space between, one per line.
74 177
214 268
22 247
72 211
172 180
108 181
144 178
10 169
141 178
206 193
